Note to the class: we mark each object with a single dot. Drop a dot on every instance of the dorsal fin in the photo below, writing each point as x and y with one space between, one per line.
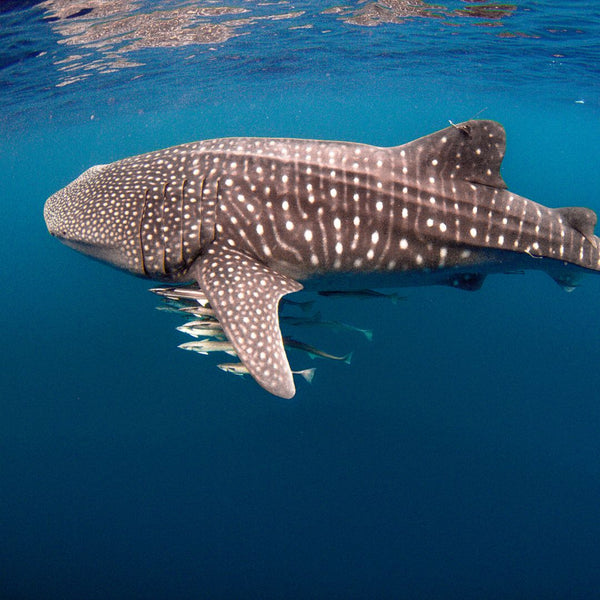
470 151
582 220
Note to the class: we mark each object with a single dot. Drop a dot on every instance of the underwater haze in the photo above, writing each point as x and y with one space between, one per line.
457 456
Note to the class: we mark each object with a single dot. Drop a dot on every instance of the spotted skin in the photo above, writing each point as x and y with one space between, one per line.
245 294
248 217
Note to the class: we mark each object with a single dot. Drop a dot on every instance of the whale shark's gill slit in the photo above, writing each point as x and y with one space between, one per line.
208 218
200 204
140 232
182 223
165 239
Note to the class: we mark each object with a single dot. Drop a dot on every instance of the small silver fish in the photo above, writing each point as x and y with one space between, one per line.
363 294
202 328
314 352
179 293
200 311
316 321
241 370
179 307
339 326
207 345
303 306
168 308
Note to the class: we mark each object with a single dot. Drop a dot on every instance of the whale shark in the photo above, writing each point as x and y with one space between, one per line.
253 219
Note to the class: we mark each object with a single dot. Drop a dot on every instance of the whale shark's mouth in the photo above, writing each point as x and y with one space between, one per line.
105 253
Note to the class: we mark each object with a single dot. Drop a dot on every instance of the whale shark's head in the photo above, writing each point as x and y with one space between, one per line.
141 214
92 216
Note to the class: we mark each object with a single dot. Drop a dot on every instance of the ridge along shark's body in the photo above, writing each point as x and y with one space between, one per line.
248 217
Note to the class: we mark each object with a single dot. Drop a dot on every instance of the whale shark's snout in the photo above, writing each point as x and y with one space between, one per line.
61 210
84 216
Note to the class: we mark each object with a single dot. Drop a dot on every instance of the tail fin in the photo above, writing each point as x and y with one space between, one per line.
308 374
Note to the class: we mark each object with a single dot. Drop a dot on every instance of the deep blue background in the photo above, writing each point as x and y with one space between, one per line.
457 457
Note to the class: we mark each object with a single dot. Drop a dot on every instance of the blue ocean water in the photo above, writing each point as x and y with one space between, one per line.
458 456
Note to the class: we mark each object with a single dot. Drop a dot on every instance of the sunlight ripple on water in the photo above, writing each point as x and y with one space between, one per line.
56 52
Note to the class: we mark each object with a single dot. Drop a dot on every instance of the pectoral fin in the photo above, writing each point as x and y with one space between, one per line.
245 296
